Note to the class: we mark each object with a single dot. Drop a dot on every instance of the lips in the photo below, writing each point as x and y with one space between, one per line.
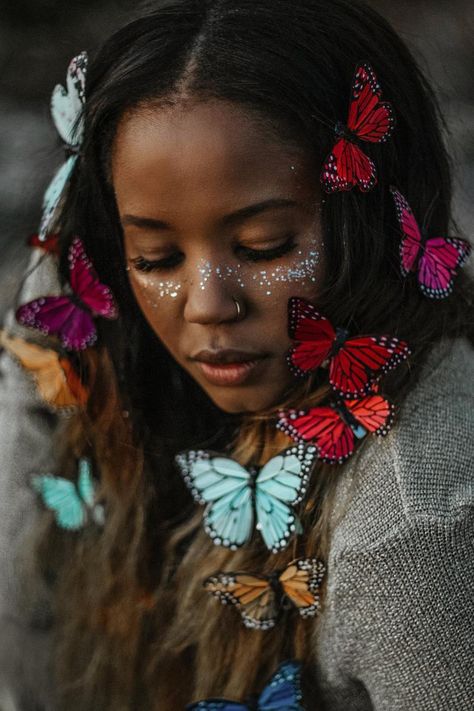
228 367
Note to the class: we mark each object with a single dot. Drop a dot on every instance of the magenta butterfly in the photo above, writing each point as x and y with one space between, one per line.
70 317
355 364
369 120
436 259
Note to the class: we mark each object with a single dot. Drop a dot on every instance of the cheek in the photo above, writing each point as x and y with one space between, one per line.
158 300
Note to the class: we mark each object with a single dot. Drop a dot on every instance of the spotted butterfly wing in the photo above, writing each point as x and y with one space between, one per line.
55 377
334 430
67 103
437 260
63 316
370 119
258 598
282 693
67 112
355 364
235 497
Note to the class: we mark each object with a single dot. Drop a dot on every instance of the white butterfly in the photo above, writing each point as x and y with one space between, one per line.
67 107
237 500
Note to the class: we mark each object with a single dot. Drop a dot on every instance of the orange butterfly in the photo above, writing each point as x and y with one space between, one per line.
56 380
259 598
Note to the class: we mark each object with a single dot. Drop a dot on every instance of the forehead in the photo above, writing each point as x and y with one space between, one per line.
193 153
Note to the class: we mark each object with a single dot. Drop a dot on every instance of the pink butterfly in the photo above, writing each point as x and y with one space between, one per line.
370 120
436 259
70 317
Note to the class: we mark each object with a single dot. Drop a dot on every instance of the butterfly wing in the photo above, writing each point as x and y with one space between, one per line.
84 282
347 166
53 194
369 118
314 335
61 496
67 104
374 413
301 582
282 481
217 705
74 390
85 482
224 486
59 316
251 594
323 426
362 360
49 244
411 235
438 265
283 692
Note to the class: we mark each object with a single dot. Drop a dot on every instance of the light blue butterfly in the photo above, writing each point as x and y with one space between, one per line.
72 503
237 500
67 111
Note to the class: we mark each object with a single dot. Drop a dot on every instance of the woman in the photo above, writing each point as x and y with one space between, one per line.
205 200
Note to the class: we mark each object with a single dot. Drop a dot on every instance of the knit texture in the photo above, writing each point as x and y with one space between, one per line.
396 632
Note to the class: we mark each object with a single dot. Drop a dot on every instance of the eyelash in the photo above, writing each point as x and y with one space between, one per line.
252 255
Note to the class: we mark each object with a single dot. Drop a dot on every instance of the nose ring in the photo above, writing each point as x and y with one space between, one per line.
239 308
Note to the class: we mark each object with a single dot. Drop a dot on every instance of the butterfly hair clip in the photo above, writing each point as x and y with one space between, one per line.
282 693
238 500
67 109
70 317
355 363
260 598
370 120
335 428
73 503
435 260
56 379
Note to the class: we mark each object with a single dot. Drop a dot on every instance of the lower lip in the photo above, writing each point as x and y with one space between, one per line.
229 373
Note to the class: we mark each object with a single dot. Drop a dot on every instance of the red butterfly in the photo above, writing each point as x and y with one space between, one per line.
355 364
369 120
333 429
49 244
436 260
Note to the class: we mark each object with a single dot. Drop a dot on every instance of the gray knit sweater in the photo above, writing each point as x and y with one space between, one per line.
397 630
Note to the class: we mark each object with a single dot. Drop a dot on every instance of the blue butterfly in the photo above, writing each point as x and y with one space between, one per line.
67 112
236 499
72 503
282 693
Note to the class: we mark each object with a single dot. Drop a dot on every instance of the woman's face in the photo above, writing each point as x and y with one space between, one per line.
215 209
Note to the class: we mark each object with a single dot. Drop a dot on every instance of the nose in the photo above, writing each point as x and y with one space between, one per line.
210 298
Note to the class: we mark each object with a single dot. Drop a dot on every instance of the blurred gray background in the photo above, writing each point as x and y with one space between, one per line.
39 37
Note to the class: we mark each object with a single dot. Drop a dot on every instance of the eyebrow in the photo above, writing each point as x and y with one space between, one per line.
233 218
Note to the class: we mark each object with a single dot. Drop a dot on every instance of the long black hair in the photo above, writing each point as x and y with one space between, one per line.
290 63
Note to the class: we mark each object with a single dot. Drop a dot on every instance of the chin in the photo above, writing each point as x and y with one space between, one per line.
247 401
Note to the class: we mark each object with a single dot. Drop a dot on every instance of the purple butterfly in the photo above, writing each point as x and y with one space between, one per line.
70 317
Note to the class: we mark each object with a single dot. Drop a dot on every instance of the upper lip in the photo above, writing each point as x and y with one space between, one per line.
227 356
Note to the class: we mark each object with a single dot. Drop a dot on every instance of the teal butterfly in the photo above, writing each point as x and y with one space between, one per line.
73 504
237 500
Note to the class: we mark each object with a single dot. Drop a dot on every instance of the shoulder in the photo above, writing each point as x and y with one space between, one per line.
423 470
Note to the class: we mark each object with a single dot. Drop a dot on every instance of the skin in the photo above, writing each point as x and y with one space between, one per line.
183 171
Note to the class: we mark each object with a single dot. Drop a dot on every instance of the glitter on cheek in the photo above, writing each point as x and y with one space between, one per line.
153 289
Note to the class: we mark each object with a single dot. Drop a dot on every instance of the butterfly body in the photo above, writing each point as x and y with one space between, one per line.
282 693
435 260
72 503
355 364
259 598
332 428
369 119
238 500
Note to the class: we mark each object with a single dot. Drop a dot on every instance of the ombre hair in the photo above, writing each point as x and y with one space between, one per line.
134 628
